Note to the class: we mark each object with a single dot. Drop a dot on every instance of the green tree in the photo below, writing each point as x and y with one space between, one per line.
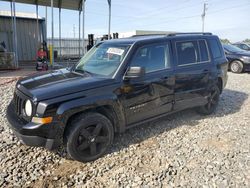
225 41
246 40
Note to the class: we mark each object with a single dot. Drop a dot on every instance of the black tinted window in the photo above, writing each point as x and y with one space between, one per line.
187 52
203 51
215 48
153 57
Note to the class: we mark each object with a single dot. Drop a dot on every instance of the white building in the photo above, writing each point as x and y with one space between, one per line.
142 32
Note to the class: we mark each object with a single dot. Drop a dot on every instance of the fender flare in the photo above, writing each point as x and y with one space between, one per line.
72 107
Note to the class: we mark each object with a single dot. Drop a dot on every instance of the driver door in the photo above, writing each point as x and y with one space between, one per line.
152 94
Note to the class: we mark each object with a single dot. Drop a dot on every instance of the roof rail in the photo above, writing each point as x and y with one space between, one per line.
191 33
153 34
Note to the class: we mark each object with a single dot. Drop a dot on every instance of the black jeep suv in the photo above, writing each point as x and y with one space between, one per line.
116 85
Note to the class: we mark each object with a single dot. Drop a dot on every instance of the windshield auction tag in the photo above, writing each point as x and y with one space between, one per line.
117 51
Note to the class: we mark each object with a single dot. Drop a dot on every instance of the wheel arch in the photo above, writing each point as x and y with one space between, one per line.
106 110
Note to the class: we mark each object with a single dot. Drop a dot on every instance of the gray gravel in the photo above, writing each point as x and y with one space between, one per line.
184 149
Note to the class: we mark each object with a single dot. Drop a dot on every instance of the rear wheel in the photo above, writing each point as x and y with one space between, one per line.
89 137
213 100
236 66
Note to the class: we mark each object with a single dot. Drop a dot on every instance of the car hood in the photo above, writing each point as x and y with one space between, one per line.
243 53
58 83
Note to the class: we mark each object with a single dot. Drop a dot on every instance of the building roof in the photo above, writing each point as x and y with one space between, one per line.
143 32
65 4
20 15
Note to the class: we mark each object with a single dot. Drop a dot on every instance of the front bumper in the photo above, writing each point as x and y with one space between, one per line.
246 66
36 141
33 134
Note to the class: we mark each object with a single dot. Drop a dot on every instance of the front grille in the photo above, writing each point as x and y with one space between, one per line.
18 102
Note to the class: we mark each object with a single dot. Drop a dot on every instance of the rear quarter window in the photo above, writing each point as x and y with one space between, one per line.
215 48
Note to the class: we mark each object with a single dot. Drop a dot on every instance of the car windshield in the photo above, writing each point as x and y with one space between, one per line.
103 59
232 48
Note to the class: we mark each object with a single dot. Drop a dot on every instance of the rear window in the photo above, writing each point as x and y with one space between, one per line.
215 48
187 52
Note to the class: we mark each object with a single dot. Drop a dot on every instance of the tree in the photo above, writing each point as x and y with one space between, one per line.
225 41
246 40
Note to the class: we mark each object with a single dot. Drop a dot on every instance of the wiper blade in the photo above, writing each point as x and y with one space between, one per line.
79 70
82 71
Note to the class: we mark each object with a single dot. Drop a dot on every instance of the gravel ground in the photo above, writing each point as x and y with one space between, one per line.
184 149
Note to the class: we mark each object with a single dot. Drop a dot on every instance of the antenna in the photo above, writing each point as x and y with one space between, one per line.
203 15
74 30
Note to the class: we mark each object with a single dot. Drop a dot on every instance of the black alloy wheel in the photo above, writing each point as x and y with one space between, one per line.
212 102
89 137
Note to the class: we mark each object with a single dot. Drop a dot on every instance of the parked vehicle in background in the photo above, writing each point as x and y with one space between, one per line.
239 60
243 46
118 84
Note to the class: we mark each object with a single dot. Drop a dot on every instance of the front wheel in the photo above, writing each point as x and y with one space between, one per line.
212 103
89 136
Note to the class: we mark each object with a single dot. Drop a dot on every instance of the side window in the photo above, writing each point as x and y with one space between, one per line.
187 52
152 57
203 51
244 47
215 48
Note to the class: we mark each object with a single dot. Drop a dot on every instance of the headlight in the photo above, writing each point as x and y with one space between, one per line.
28 108
246 57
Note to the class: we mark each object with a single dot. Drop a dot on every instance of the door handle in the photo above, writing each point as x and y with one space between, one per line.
164 78
205 71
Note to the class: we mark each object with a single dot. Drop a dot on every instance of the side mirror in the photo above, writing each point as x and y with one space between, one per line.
134 72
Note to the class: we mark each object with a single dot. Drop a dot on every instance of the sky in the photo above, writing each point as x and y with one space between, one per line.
226 18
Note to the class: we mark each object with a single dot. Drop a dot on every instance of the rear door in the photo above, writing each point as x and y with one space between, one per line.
193 71
220 62
152 94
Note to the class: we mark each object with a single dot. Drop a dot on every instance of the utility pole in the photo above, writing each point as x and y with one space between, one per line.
74 30
83 27
203 16
109 3
52 33
15 34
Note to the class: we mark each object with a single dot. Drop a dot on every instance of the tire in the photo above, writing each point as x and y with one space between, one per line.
236 66
213 100
89 136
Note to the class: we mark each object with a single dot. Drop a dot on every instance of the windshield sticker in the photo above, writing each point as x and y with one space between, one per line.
116 51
